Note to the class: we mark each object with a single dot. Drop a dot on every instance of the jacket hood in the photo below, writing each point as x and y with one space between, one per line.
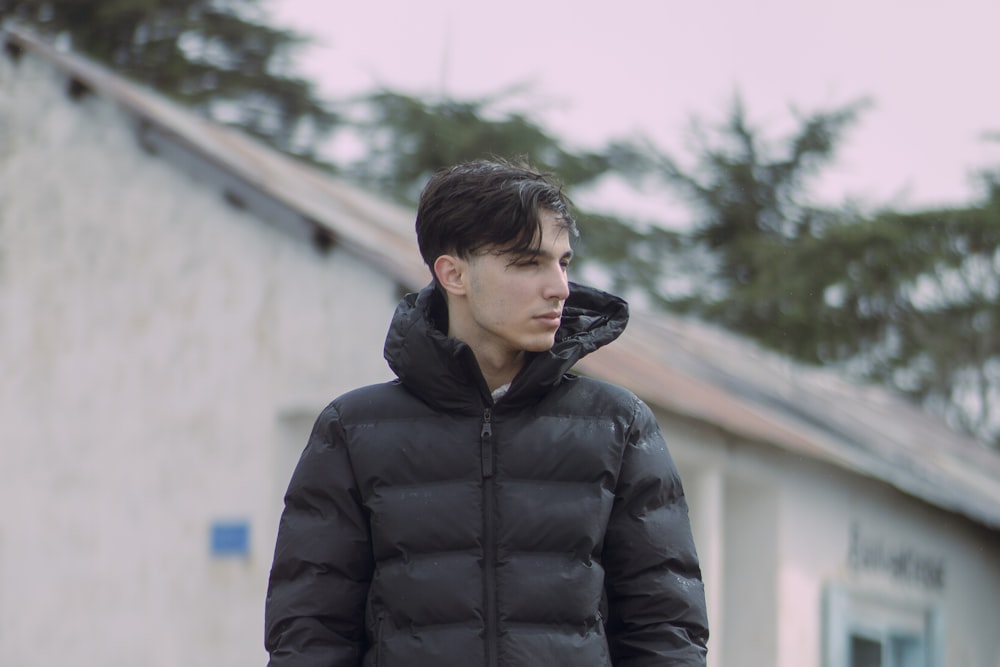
443 371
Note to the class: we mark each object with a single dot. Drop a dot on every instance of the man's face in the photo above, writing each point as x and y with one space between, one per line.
515 301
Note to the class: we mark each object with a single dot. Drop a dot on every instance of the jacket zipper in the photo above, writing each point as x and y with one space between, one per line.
489 539
380 621
486 442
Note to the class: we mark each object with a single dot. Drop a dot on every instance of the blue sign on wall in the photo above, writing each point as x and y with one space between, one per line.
230 539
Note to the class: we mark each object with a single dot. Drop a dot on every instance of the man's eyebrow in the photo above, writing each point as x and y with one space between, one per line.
538 252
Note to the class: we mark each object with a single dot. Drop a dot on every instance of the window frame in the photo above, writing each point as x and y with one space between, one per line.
879 616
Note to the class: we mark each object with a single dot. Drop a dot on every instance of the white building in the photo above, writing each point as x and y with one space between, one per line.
177 303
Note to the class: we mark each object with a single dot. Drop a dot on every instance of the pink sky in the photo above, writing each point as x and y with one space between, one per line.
615 68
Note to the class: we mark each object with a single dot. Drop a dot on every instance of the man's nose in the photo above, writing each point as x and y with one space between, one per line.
557 286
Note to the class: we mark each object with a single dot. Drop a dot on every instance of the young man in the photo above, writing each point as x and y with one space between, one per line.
488 508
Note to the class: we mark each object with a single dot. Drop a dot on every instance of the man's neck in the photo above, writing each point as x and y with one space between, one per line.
498 363
498 369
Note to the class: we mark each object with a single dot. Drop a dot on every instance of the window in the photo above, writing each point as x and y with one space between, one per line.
889 649
865 629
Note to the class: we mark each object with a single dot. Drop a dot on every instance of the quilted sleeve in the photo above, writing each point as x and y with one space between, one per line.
314 613
656 599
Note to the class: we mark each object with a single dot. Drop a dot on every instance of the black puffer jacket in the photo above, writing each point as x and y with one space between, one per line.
426 526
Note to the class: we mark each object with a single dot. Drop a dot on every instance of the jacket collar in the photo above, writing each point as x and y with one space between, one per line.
443 371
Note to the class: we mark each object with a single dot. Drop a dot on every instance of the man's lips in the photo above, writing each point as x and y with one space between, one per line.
551 318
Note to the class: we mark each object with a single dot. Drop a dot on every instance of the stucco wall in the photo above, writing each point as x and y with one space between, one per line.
153 341
851 535
788 531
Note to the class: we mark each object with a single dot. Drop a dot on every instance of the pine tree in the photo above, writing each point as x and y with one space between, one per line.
221 57
908 300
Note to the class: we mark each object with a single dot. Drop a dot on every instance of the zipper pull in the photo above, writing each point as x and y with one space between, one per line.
486 442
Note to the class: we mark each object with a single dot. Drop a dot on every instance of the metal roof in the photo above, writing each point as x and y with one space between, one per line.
676 365
697 371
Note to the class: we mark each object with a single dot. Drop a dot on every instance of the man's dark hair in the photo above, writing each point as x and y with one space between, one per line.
487 204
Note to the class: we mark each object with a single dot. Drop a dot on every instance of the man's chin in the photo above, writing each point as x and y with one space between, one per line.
542 345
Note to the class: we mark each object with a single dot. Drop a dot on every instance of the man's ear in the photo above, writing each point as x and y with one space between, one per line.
452 274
